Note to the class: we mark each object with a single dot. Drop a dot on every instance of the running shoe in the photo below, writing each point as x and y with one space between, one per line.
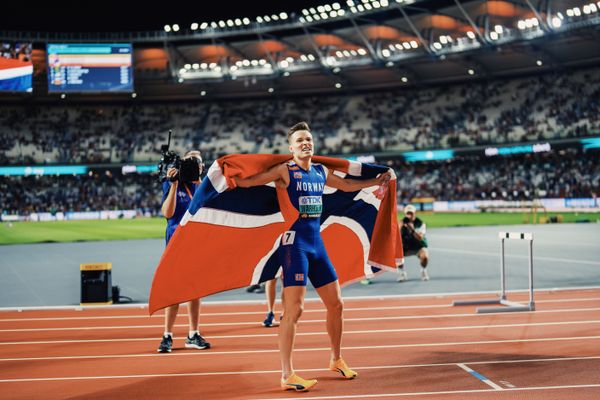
166 344
196 342
365 282
294 382
268 322
252 288
341 367
402 276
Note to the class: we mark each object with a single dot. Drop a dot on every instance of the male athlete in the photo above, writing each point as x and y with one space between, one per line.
302 252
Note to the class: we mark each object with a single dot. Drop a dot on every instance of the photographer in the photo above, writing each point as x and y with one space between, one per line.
180 182
413 242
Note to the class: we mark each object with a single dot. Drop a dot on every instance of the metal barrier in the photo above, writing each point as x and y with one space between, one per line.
510 306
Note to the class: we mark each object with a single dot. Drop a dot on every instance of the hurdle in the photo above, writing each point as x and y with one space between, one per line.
509 306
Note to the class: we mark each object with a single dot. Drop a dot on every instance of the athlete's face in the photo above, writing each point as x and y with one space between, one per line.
301 144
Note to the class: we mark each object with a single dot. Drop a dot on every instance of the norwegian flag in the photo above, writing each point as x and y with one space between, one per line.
229 237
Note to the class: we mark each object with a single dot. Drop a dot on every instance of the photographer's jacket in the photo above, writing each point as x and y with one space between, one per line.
185 193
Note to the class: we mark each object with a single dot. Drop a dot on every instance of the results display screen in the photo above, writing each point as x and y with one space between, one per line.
90 67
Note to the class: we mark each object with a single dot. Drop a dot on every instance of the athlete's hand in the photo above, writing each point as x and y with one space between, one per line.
384 179
171 174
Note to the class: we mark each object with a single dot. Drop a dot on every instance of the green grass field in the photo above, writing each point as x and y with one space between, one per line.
146 228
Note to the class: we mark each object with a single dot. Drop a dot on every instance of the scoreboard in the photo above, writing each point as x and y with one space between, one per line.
90 67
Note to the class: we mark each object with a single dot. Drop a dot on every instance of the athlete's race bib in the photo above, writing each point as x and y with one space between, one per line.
312 206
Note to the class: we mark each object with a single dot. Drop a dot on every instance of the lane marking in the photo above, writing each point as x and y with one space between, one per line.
495 255
320 310
439 328
364 396
262 351
365 368
254 323
309 299
479 376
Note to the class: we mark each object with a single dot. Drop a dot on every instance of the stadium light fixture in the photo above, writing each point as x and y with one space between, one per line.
259 20
167 28
230 23
470 35
389 64
437 45
350 3
360 8
286 73
194 26
222 24
182 71
195 66
180 80
254 63
283 16
271 90
414 44
214 25
336 6
187 66
238 22
284 64
246 63
212 65
498 29
570 13
175 28
305 12
204 65
362 52
246 21
443 40
353 9
586 9
471 72
62 95
577 11
267 18
341 13
556 22
275 17
336 70
386 52
203 25
376 4
404 79
233 68
309 19
339 54
539 63
494 35
311 57
134 95
521 25
406 45
203 93
367 6
338 85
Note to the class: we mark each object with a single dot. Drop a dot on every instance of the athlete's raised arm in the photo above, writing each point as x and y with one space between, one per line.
278 174
353 185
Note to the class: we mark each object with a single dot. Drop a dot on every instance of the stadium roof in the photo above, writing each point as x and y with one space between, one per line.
347 45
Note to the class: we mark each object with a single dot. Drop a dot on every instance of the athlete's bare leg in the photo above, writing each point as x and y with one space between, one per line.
293 307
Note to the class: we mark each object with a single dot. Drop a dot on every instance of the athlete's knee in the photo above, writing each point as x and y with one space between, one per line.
424 261
336 306
293 311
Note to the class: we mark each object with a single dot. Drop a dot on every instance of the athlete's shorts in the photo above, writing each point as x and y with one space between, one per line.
303 258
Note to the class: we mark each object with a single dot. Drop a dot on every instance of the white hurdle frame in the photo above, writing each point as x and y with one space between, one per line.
510 306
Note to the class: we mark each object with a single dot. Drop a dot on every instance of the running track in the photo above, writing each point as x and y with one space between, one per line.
402 347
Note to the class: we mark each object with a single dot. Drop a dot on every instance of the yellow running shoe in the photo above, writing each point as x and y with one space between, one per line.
341 367
294 382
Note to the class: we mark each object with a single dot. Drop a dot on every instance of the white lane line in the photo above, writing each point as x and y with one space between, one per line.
495 255
373 367
262 351
361 332
477 375
229 324
308 300
320 310
387 395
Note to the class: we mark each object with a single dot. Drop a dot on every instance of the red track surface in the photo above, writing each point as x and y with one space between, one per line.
402 347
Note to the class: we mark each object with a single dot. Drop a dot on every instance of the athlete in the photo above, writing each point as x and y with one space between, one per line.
302 252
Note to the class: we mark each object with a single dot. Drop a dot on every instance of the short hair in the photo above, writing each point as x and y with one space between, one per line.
193 153
300 126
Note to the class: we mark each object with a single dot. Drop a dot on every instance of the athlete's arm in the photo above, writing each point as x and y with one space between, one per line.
277 174
353 185
168 207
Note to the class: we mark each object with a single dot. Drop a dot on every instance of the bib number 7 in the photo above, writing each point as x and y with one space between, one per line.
288 238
